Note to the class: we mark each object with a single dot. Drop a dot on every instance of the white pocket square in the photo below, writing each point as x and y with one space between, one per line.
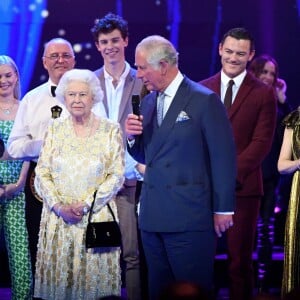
183 116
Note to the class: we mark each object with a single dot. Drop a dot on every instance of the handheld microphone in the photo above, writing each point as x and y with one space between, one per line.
135 101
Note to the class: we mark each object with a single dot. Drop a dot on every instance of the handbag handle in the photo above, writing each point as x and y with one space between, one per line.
92 206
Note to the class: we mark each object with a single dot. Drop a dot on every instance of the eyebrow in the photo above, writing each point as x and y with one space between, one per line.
238 52
109 39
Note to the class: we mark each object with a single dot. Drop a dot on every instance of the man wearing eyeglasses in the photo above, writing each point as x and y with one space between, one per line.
36 109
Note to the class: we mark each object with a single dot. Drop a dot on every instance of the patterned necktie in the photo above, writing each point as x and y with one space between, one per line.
160 108
228 95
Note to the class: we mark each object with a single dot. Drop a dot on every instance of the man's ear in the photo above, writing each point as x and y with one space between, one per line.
251 55
163 66
126 40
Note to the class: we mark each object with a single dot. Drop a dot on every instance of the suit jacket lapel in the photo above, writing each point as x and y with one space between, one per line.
244 90
127 91
242 94
128 87
160 135
100 75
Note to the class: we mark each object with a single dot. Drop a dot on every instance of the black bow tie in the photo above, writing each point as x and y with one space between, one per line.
53 88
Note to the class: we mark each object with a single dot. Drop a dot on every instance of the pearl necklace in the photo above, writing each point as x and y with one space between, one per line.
88 127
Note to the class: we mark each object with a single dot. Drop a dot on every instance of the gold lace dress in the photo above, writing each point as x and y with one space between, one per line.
291 267
71 169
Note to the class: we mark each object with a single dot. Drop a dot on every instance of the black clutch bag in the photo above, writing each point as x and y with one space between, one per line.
102 234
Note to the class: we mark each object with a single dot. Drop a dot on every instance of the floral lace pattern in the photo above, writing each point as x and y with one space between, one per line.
71 169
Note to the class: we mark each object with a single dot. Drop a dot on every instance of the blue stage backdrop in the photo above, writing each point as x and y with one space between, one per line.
195 27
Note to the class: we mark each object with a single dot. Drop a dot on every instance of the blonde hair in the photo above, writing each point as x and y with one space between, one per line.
6 60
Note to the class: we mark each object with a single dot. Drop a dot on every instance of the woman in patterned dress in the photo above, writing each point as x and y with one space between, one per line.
13 176
81 153
289 163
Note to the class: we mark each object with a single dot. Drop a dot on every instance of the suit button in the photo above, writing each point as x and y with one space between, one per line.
167 165
168 186
151 186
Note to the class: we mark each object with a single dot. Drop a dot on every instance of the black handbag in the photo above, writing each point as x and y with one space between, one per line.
102 234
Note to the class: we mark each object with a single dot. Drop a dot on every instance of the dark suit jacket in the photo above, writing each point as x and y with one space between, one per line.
190 164
253 118
133 86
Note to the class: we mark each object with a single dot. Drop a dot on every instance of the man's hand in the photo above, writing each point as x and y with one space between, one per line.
222 223
133 125
141 168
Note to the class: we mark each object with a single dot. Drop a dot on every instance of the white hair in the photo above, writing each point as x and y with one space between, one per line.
158 48
82 75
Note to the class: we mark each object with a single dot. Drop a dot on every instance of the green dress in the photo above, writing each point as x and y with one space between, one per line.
291 267
12 220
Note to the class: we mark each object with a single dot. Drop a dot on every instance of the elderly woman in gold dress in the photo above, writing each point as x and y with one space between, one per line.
289 162
81 154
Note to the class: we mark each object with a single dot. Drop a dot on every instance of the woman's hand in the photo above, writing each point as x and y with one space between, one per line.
10 190
2 192
71 213
80 208
281 90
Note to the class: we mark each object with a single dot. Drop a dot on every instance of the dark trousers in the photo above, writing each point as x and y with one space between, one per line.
33 211
126 206
265 231
240 243
178 256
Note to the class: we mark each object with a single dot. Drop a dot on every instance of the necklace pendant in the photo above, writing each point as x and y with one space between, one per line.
6 111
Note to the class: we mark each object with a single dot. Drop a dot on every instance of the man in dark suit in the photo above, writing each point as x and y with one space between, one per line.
252 115
188 192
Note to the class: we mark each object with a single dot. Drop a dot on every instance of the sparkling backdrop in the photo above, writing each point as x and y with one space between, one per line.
195 28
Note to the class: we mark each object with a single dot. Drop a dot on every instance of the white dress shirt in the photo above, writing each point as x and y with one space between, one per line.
171 91
235 88
114 93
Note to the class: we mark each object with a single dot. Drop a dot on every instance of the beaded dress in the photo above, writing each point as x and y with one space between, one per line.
291 268
71 168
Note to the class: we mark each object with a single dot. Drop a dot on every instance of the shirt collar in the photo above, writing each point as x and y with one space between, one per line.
172 88
123 75
237 80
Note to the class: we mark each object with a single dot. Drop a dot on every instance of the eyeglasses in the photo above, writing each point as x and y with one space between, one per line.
57 56
73 95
